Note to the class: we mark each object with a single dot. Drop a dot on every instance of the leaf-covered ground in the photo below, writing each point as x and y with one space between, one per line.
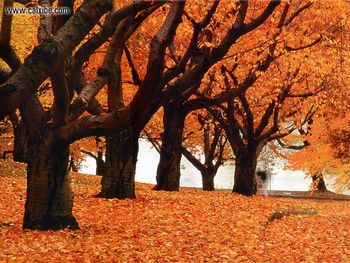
189 226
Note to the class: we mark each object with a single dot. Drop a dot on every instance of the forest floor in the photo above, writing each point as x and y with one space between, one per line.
186 226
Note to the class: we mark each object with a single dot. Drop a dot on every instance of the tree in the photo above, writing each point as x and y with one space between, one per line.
328 144
49 198
321 148
213 147
175 112
202 58
97 153
253 119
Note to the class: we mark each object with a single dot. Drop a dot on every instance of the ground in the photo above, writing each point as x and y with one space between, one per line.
185 226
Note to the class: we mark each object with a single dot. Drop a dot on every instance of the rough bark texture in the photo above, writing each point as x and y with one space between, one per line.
49 200
245 166
44 58
168 172
21 143
118 180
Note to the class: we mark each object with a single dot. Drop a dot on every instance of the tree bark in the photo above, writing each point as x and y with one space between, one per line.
208 180
168 172
118 180
44 58
100 164
21 143
318 183
245 167
72 166
49 200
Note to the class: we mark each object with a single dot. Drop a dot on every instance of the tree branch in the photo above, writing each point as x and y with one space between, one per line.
6 25
153 141
105 72
47 56
89 153
45 24
193 160
297 12
109 26
249 118
150 87
198 27
61 97
135 75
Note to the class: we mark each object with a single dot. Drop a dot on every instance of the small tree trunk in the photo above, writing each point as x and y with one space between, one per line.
100 164
21 143
49 197
168 172
245 167
118 180
72 167
318 183
208 180
5 153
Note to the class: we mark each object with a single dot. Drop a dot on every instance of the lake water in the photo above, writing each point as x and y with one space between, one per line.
148 158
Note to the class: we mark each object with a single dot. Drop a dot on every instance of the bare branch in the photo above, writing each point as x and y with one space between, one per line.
313 43
89 153
297 12
135 75
154 141
192 159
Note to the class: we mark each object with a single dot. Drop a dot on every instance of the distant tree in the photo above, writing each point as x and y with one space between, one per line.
213 148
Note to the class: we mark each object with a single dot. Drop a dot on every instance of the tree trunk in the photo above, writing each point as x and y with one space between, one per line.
208 180
245 167
118 180
318 183
72 167
49 197
168 172
21 143
100 164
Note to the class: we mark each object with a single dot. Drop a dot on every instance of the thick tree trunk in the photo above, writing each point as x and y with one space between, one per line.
245 167
208 180
21 143
49 197
168 172
118 180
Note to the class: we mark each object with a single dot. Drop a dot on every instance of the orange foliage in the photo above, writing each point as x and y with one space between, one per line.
185 226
